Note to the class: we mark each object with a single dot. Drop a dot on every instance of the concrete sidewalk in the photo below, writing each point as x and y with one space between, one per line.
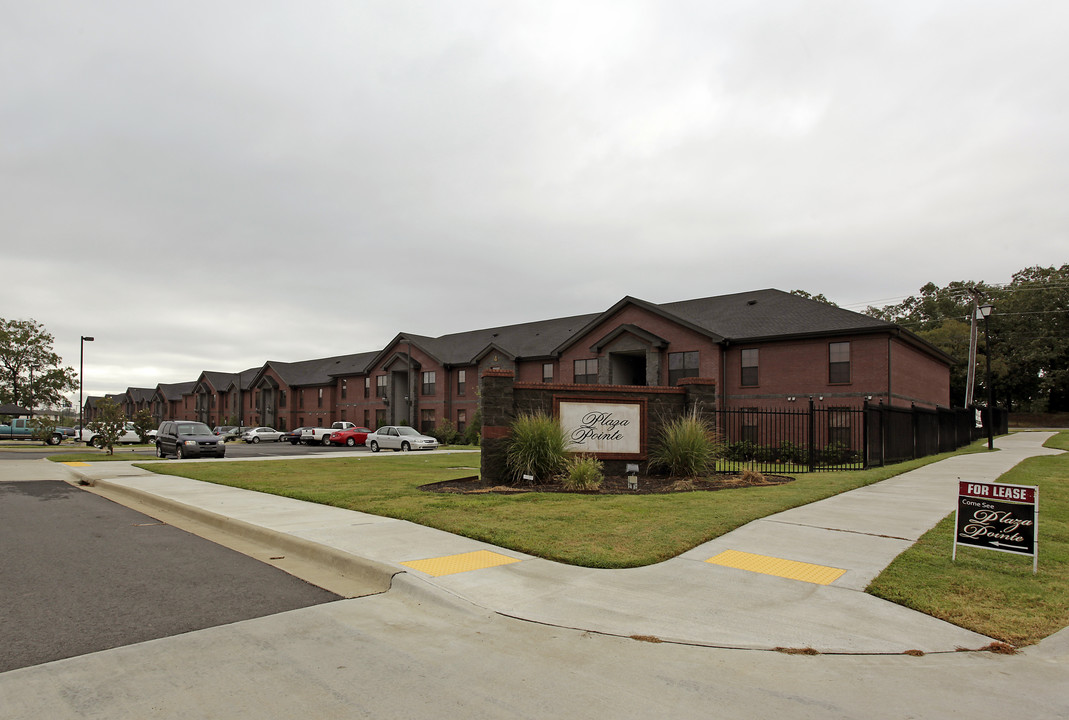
745 598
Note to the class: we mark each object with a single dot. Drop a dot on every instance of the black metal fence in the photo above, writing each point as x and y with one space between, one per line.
809 438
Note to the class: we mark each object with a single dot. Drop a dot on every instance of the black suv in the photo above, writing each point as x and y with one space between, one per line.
188 439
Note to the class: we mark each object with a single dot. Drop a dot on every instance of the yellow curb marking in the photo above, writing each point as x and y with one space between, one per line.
77 464
791 569
451 564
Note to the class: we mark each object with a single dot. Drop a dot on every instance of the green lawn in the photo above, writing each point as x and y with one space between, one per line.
988 592
605 531
991 592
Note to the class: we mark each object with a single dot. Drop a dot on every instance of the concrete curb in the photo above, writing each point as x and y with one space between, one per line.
369 573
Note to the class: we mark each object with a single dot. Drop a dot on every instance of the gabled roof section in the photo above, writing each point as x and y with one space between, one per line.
629 329
647 306
140 395
175 391
770 313
428 345
218 380
527 340
320 371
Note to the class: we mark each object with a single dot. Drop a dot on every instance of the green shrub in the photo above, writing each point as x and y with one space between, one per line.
686 447
473 433
445 432
582 472
537 447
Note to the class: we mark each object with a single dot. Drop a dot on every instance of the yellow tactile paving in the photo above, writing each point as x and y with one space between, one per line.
76 464
791 569
450 564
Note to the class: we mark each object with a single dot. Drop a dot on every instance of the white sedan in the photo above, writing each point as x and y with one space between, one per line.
399 438
255 435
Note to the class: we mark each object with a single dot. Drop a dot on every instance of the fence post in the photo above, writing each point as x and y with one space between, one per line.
865 434
812 427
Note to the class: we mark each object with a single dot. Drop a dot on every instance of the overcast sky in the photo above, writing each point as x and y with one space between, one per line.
211 185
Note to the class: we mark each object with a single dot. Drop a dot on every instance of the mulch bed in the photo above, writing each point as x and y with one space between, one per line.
615 485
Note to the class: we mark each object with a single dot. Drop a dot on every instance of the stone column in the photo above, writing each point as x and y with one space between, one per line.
497 400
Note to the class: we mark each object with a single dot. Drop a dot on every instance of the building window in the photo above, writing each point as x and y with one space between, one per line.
749 424
839 362
343 413
547 372
429 382
462 420
682 365
749 367
380 386
300 398
367 387
462 382
367 417
426 420
319 399
344 389
282 398
839 427
586 372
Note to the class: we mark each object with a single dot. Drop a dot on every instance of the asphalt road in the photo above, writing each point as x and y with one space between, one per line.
79 574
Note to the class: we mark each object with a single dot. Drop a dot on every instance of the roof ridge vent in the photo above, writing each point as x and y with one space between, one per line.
751 302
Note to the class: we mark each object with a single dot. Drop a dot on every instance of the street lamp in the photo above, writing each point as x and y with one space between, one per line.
984 311
81 381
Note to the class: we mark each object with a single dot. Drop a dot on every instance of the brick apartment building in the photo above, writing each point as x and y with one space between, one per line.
764 348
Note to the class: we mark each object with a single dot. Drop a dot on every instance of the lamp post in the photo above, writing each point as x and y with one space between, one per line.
81 382
985 312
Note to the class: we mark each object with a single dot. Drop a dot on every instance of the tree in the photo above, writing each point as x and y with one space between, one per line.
143 422
110 424
31 373
819 297
1029 341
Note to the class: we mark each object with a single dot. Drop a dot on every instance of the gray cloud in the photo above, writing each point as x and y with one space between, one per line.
208 186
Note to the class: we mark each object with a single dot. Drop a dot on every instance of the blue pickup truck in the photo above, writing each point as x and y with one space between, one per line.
21 429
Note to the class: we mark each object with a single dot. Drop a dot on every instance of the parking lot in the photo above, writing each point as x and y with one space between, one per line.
234 449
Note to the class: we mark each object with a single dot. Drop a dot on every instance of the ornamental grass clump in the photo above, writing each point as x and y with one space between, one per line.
582 472
687 447
537 447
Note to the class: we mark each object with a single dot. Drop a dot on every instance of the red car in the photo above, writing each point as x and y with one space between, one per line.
349 436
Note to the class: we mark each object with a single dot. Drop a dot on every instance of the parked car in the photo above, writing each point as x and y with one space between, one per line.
255 435
349 436
321 435
129 436
399 438
227 432
187 439
293 436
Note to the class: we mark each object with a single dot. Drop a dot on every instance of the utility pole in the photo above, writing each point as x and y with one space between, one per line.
970 382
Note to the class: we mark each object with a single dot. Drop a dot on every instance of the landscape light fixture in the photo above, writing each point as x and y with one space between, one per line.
81 383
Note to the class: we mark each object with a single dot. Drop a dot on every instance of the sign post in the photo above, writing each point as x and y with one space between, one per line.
998 517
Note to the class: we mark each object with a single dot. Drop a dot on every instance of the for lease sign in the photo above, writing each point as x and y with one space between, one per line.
997 517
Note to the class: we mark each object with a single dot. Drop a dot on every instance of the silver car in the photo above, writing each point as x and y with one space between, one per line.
255 435
399 438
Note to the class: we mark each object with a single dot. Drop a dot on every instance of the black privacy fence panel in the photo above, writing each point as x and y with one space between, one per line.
807 438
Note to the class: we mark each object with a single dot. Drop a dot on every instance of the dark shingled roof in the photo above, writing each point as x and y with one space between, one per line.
770 313
320 371
175 391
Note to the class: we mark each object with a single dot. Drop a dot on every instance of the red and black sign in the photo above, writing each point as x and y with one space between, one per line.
997 517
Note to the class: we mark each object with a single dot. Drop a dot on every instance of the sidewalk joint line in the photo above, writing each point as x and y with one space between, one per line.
843 530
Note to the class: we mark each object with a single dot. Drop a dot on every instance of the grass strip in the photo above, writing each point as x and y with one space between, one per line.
990 592
602 531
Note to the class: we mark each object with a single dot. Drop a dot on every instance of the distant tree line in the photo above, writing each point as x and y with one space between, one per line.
1029 335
